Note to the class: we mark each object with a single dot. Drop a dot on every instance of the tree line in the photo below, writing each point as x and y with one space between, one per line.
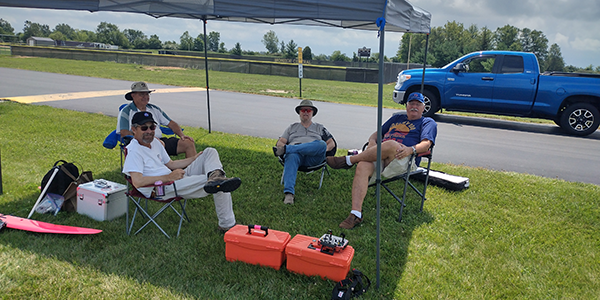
446 43
453 40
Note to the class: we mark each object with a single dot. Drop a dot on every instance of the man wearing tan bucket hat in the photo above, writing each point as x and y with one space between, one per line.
304 143
140 98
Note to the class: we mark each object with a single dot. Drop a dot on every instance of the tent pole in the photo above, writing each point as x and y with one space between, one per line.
378 164
206 68
424 64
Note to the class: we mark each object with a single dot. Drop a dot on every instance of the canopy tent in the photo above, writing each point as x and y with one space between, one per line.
381 15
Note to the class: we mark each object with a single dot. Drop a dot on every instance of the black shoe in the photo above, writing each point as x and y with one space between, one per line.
217 182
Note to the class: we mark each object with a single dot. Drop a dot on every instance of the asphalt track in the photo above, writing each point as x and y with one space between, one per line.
538 149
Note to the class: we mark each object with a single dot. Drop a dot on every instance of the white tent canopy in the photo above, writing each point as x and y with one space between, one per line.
400 15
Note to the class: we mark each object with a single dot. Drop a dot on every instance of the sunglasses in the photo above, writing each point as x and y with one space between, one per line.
145 127
305 110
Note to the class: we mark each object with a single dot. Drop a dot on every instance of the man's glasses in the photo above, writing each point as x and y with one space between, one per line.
145 127
305 110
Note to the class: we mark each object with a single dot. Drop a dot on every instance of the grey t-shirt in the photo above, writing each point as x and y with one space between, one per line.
298 134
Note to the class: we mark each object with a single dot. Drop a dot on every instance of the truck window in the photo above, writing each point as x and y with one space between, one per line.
512 64
481 64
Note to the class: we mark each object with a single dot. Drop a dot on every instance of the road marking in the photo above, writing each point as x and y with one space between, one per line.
83 95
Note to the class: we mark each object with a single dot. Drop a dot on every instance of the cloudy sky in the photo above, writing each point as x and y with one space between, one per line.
573 25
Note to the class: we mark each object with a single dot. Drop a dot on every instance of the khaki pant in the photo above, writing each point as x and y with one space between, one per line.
191 186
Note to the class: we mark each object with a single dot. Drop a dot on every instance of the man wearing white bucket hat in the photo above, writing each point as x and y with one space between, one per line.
140 98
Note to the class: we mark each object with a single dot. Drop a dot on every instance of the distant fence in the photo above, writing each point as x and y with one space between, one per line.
391 70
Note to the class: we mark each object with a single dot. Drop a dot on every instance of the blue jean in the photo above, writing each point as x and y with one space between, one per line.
307 154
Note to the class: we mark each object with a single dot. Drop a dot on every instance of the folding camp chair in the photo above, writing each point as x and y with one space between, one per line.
322 166
406 177
137 197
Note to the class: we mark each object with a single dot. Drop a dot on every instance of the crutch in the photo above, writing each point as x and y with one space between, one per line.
44 191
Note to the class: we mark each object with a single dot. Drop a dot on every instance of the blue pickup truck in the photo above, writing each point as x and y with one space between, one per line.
507 83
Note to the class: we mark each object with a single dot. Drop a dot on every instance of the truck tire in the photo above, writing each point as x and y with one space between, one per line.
580 119
432 103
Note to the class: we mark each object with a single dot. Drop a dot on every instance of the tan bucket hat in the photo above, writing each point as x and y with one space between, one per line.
139 86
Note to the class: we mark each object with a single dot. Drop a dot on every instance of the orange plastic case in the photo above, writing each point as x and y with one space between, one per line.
304 257
254 247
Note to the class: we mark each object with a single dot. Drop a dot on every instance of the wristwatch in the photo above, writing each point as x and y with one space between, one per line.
414 150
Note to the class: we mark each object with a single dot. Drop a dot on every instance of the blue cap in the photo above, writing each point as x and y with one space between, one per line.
416 96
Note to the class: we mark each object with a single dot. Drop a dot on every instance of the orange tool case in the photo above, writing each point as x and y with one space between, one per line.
257 245
304 256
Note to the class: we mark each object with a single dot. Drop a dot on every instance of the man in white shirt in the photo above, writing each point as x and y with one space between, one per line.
197 176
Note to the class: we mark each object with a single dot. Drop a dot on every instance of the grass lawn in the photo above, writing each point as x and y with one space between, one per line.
509 236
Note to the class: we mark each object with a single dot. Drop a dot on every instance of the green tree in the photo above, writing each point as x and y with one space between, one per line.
507 38
34 29
213 41
58 36
270 41
536 42
154 42
199 43
222 48
555 61
485 39
282 48
237 49
66 30
137 38
291 50
186 42
110 34
6 28
306 53
337 55
84 36
170 45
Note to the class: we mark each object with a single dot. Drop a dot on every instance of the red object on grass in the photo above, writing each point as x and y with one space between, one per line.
43 227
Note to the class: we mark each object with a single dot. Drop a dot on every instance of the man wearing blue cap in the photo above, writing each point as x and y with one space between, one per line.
403 135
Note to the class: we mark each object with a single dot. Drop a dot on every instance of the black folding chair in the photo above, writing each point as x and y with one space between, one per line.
406 177
137 197
322 166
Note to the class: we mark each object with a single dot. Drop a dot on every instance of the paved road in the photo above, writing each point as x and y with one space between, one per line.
494 144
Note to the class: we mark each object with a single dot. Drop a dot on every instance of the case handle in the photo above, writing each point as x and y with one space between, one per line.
258 227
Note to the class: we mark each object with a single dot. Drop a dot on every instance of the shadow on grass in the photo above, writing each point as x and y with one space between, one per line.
194 264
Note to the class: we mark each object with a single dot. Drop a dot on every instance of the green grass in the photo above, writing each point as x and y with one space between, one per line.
509 236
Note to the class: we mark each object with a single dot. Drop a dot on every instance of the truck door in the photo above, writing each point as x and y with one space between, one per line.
471 89
515 86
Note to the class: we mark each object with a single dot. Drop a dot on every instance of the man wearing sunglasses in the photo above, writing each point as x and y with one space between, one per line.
140 98
304 143
197 176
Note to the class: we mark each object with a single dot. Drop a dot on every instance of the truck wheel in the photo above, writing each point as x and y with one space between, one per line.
432 104
580 119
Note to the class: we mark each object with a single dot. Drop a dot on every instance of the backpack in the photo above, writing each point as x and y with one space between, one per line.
65 182
353 286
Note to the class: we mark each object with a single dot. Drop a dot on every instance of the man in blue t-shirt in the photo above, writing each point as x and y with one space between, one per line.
403 135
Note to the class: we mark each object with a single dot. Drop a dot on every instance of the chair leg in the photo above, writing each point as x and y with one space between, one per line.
322 174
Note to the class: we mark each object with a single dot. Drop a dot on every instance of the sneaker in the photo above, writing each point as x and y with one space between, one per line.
289 198
350 222
225 229
279 151
217 182
337 162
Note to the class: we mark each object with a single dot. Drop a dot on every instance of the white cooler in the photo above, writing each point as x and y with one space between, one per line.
101 199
